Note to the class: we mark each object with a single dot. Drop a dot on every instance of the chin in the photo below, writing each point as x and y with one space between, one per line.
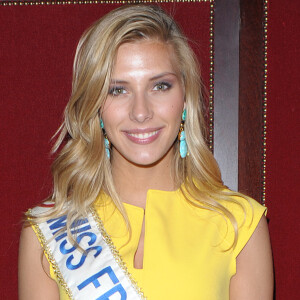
147 160
144 158
144 162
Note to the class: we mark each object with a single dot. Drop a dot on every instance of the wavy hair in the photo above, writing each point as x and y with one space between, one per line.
81 170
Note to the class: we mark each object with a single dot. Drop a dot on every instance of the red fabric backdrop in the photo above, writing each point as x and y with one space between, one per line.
37 45
282 187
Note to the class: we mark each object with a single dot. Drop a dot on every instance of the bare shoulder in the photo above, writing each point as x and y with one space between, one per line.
34 278
254 275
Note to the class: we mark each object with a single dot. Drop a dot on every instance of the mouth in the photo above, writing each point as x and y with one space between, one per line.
142 136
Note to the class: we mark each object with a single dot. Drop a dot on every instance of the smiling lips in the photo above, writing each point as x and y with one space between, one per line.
143 137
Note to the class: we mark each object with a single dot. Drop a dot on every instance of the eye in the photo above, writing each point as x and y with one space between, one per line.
116 91
162 86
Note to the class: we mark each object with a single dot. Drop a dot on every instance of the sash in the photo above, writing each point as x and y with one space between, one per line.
98 272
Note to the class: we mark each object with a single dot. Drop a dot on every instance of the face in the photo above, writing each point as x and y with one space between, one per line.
142 113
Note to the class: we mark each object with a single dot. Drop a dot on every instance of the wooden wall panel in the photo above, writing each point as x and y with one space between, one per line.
251 67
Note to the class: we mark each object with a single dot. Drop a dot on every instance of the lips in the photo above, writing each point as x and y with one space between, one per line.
144 136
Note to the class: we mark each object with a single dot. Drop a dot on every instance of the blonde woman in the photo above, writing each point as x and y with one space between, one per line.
138 208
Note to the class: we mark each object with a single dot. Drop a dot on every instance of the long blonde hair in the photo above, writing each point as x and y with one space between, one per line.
81 170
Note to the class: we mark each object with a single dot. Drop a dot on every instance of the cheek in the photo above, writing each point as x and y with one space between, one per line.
174 111
172 116
112 116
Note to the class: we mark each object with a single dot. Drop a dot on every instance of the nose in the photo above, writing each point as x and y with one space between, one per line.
141 110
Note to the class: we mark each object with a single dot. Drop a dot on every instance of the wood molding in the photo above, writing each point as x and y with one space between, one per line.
251 70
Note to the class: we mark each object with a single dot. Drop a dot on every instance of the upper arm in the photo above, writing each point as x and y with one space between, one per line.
34 279
254 268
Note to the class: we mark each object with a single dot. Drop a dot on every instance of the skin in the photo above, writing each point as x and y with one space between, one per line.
146 96
254 276
34 278
140 101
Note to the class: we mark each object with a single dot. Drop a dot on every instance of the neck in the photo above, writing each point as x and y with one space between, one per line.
133 181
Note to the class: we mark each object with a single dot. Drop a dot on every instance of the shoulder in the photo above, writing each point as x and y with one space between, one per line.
248 214
33 217
33 268
254 267
40 210
244 208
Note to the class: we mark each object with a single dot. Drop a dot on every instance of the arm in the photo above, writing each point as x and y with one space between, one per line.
34 279
254 268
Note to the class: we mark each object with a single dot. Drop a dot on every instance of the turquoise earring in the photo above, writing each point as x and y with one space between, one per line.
181 136
106 141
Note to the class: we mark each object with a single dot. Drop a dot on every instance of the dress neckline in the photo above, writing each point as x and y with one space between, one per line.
150 192
105 199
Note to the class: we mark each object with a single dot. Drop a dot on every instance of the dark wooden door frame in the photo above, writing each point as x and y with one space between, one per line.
252 110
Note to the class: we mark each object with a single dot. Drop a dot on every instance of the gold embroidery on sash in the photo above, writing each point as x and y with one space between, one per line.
115 252
49 255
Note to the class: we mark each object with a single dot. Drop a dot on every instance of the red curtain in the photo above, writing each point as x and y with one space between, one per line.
37 48
282 172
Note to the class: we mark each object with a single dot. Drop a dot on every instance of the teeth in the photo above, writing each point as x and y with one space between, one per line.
143 136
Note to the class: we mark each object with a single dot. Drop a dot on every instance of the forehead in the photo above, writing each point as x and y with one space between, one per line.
145 53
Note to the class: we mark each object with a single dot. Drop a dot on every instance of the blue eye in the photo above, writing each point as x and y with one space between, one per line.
162 86
116 91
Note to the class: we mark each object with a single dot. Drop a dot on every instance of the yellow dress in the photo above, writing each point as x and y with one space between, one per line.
184 255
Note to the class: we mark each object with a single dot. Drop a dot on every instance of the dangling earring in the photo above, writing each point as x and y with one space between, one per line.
181 136
106 140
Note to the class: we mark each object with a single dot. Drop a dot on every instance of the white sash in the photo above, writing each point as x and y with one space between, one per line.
96 274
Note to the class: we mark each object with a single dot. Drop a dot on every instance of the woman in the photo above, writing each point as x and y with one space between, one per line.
139 208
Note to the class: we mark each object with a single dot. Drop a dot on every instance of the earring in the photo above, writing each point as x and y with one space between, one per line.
181 136
106 140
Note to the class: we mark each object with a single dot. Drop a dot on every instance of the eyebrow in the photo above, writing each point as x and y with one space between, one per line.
117 81
162 75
